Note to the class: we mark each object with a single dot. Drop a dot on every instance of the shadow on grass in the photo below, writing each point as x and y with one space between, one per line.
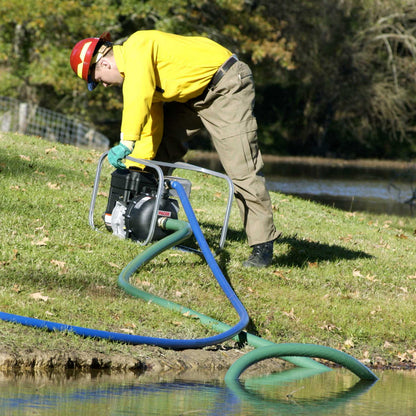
302 252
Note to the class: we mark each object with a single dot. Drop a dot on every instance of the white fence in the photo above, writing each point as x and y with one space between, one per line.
33 120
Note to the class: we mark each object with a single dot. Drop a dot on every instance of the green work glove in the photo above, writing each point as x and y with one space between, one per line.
116 154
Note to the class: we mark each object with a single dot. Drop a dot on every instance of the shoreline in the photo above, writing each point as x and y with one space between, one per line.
153 361
197 155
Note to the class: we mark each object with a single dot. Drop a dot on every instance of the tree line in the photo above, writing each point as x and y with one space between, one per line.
333 77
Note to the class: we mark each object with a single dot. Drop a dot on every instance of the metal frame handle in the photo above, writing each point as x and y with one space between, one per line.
156 166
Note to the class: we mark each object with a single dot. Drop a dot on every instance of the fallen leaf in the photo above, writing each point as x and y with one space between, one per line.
371 278
356 273
60 264
188 315
127 331
17 188
53 185
280 274
23 157
39 296
329 327
314 264
116 266
291 314
51 150
349 343
412 353
41 242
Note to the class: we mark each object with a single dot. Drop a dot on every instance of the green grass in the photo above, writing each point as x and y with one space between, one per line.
345 280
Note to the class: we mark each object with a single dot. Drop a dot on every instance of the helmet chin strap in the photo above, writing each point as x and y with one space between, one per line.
102 51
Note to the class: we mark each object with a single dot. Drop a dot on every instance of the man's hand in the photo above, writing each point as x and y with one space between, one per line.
116 154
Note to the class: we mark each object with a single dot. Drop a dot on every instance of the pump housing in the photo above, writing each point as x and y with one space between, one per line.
131 204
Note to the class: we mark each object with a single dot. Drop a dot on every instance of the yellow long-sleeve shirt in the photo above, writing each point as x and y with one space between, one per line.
158 67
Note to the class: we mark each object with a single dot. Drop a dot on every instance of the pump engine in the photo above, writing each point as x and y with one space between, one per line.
131 204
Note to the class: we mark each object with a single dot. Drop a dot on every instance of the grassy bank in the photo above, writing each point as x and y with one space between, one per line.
341 279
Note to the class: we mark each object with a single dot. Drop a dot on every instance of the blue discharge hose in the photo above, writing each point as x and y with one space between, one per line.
182 231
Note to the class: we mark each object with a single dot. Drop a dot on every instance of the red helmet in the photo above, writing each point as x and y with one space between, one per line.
83 56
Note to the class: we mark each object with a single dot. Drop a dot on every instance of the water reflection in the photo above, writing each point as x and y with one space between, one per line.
269 400
382 197
336 392
343 185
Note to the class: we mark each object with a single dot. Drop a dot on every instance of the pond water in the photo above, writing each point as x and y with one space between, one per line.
381 196
336 392
379 188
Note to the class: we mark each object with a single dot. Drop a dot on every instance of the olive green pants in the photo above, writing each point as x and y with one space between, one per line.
226 111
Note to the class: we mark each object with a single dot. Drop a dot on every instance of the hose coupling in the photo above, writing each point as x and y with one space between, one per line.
161 222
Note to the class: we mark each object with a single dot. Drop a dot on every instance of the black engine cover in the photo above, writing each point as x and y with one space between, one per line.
126 184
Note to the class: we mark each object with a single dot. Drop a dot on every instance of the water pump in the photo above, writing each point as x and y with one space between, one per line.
131 203
137 196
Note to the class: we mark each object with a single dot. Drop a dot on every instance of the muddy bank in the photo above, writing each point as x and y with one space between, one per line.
148 360
153 362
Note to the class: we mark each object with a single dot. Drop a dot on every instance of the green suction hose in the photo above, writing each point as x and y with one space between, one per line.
182 232
297 354
302 350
